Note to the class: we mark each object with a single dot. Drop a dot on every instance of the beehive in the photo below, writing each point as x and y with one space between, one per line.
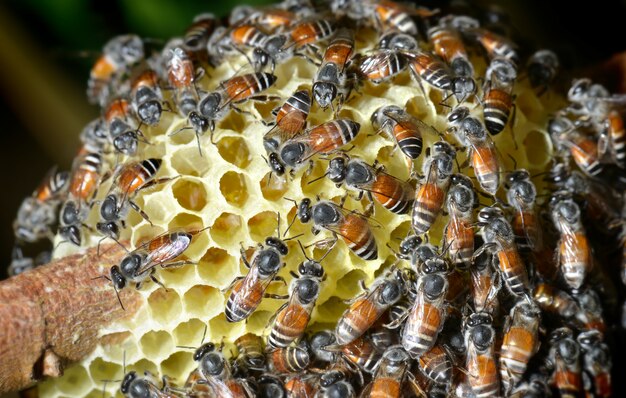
228 189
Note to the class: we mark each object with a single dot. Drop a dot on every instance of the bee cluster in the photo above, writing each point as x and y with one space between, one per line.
513 300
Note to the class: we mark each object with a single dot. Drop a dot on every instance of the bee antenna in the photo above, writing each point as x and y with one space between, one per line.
278 225
188 347
303 251
514 161
204 334
293 220
317 179
117 293
325 254
124 362
293 237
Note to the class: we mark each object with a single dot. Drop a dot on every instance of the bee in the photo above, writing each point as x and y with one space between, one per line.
217 374
365 309
542 68
390 375
393 194
331 80
250 354
581 148
122 126
472 134
196 387
535 387
590 314
389 16
521 195
402 127
146 97
498 94
20 263
493 44
118 56
397 41
134 386
482 372
426 318
95 136
574 251
285 360
485 282
430 196
564 360
268 18
519 344
130 179
459 232
361 352
290 120
215 105
555 301
197 34
350 226
597 362
270 386
301 386
37 213
248 291
436 365
427 67
318 343
309 32
449 46
83 184
140 264
614 140
293 317
500 241
381 66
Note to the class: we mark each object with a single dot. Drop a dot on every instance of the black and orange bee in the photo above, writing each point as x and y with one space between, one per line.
146 97
331 81
596 362
118 55
292 359
582 148
426 67
290 120
197 34
519 344
393 16
437 365
389 377
270 18
480 362
83 184
429 198
123 126
393 194
542 67
405 129
307 33
134 386
248 291
322 139
574 251
37 213
381 66
129 180
301 386
564 361
471 133
521 195
216 373
498 99
493 44
485 282
368 307
555 301
293 317
459 232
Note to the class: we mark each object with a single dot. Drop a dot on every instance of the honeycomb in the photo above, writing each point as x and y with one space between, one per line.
229 190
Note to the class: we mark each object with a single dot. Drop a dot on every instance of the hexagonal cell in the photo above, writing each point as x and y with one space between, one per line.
258 321
185 221
235 151
234 121
273 188
182 135
217 267
332 309
436 98
221 328
234 189
100 369
165 306
203 301
348 285
156 344
179 363
190 194
75 382
263 225
189 333
142 366
225 227
538 148
418 107
187 161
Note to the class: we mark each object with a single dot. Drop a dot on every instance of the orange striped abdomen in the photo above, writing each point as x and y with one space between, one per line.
513 269
392 193
487 168
385 387
575 258
517 347
483 376
289 325
357 234
427 205
358 318
422 328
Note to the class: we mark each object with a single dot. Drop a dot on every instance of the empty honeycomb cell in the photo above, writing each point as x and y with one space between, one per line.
331 309
177 276
185 222
75 382
235 121
190 194
225 227
217 267
259 321
144 233
187 161
234 188
263 225
436 99
179 362
182 136
189 333
349 285
142 366
222 329
538 149
165 306
203 301
156 344
273 188
235 151
100 369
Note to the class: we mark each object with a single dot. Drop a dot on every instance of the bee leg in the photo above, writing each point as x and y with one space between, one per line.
512 122
242 253
279 279
177 264
264 98
276 296
141 212
158 282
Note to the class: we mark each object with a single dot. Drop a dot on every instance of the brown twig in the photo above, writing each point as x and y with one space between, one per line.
51 316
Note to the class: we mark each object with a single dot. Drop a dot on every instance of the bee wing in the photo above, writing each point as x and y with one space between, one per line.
252 283
294 315
410 122
166 252
366 306
377 189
